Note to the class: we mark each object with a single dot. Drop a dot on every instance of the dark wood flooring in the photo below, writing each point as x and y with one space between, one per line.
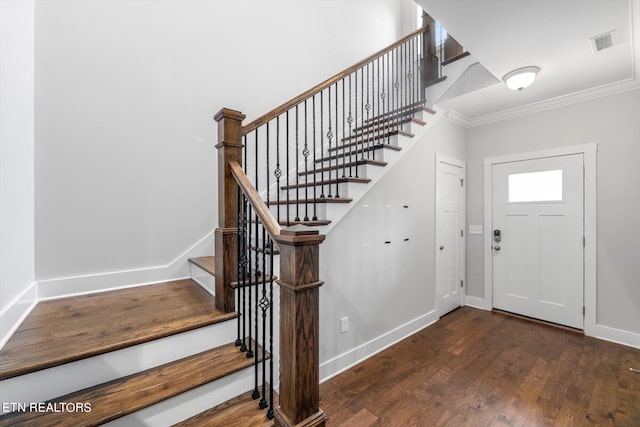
477 368
68 329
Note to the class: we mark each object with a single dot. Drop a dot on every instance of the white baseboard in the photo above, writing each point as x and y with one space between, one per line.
338 364
100 282
14 314
475 302
617 336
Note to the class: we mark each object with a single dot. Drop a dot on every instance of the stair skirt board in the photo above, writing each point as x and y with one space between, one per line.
14 314
92 283
60 380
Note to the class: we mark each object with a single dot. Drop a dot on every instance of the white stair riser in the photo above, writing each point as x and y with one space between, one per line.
49 383
203 278
359 171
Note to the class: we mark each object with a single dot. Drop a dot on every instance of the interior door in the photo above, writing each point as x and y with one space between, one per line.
450 220
537 236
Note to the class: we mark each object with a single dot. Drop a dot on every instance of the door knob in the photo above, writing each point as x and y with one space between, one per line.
441 247
496 248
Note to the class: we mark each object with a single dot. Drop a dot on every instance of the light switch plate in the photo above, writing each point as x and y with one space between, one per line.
475 229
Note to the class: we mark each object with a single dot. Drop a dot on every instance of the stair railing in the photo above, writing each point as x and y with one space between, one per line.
247 238
282 169
300 155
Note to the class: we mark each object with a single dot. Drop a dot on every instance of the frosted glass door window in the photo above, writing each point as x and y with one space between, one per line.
544 186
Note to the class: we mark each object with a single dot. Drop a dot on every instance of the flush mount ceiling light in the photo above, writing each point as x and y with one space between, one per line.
520 78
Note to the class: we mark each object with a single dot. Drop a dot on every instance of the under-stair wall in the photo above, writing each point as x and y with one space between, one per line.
387 290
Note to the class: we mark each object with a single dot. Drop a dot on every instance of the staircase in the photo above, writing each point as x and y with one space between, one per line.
130 355
175 354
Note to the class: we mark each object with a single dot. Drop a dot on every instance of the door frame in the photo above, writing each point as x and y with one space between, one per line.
589 151
463 258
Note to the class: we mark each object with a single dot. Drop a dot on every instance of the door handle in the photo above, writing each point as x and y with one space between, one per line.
441 247
496 248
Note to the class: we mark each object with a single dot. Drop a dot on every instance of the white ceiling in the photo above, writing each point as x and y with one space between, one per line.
552 34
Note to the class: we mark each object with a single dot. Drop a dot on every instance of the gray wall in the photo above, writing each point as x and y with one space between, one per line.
16 157
125 95
381 287
613 123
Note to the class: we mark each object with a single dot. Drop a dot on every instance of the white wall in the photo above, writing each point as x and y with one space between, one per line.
125 95
611 122
386 290
16 161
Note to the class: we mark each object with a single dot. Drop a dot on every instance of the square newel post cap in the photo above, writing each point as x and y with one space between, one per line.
227 113
298 235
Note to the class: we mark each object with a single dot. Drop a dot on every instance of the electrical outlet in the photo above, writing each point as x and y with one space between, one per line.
344 324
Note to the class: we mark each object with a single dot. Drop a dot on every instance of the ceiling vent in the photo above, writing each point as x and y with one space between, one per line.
603 41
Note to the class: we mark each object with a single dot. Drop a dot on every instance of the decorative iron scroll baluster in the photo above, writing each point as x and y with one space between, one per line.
322 168
264 305
287 180
297 218
305 153
271 279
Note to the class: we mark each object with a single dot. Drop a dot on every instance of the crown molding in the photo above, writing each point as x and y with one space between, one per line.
548 104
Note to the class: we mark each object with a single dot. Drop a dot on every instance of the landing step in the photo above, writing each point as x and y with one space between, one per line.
69 329
305 201
326 182
354 153
344 166
207 263
132 393
241 411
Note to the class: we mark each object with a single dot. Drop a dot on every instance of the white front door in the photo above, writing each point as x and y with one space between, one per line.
450 221
537 238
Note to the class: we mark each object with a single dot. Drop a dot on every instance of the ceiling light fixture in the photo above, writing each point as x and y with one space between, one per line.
521 78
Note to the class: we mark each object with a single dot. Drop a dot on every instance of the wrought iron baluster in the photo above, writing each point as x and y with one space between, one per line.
350 122
329 137
278 172
315 175
368 108
336 135
270 414
322 182
264 306
287 180
305 153
297 218
240 253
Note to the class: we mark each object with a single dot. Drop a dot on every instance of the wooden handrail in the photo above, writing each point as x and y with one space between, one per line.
262 211
325 84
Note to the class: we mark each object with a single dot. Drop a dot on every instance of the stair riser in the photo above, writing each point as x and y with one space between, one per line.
203 278
377 154
46 384
392 140
359 171
323 210
345 189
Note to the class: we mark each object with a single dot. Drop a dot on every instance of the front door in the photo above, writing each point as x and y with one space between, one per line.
537 238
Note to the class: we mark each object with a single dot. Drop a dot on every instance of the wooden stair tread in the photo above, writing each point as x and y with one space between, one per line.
354 153
326 182
344 166
404 111
316 200
207 263
374 134
241 411
132 393
390 122
69 329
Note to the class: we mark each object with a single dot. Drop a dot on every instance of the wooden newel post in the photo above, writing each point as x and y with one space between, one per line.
430 71
299 328
226 236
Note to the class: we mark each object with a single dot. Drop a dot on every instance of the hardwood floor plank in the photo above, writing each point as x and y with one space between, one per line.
64 330
475 368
